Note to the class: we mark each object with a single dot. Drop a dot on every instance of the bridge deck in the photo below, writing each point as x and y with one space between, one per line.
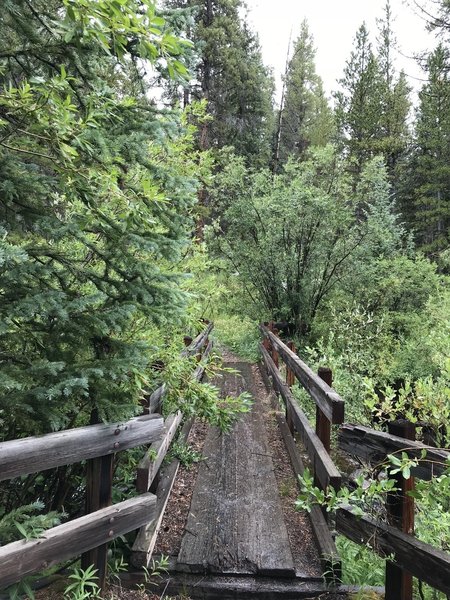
236 523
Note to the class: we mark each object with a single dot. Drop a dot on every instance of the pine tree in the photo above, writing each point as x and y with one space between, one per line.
306 118
232 78
430 169
359 108
96 192
394 97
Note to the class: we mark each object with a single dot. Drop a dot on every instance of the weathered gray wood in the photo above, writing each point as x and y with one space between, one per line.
373 447
422 560
200 370
329 402
324 468
33 454
155 399
58 544
235 524
142 550
198 342
329 557
150 464
217 587
99 482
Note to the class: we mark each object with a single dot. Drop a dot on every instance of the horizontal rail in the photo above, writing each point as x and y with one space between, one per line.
329 402
157 396
60 543
150 464
324 468
38 453
373 446
198 342
200 370
428 564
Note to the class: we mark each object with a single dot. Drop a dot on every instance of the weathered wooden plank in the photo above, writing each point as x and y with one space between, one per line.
150 464
33 454
422 560
198 342
58 544
324 468
330 403
219 587
329 557
235 524
155 399
373 447
142 550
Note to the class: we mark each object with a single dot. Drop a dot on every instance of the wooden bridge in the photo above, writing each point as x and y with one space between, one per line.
236 540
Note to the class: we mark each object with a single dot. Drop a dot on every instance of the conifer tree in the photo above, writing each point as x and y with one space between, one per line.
359 108
232 78
430 168
96 191
306 118
395 103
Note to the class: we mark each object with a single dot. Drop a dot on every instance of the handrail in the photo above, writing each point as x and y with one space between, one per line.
421 560
157 396
197 344
38 453
323 466
373 446
411 556
330 403
317 443
97 444
25 557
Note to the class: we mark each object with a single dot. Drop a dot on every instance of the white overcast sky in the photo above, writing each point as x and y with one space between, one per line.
333 24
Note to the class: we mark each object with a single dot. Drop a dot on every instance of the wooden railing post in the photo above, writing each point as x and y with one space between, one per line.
275 355
290 377
400 512
99 479
323 425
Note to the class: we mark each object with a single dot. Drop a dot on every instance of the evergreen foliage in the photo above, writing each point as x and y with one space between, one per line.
358 110
306 118
430 168
97 192
230 75
373 103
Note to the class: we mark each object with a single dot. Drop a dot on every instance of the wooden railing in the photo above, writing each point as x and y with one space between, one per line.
148 468
408 557
90 534
317 441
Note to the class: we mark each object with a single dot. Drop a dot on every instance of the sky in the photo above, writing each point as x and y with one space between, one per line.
333 24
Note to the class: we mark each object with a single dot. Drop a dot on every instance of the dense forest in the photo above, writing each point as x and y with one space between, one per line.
148 180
